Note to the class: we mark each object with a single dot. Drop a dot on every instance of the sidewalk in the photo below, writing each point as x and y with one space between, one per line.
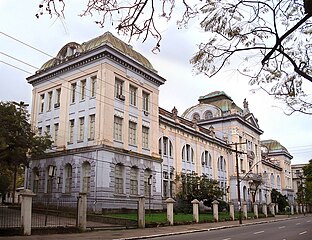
146 233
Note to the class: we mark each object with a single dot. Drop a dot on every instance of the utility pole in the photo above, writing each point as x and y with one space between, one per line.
238 181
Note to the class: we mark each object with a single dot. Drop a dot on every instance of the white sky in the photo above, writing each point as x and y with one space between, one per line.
182 89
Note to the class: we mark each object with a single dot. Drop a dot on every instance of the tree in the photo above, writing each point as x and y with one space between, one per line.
307 171
18 141
280 199
271 38
197 187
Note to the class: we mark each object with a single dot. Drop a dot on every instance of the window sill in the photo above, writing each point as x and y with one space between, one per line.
120 195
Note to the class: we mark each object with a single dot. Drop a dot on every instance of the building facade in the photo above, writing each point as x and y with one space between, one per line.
99 102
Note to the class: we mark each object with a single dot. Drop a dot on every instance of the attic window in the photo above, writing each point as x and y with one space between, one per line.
208 115
71 50
196 117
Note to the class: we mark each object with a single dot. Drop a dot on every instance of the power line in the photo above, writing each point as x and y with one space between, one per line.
15 67
16 59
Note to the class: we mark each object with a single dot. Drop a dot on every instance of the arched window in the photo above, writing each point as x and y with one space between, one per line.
272 181
196 117
278 182
119 179
35 177
208 115
148 182
68 177
165 147
244 193
86 175
221 164
187 153
206 159
134 181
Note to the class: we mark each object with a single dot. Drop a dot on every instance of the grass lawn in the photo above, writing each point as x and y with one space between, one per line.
161 218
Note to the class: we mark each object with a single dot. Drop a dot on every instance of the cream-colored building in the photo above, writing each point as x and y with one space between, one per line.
99 102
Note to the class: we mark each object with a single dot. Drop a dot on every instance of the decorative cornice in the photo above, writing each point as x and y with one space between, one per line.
74 63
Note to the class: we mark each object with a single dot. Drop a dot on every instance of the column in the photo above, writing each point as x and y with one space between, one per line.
272 208
245 210
232 211
292 209
265 209
215 210
170 203
82 211
26 210
195 203
141 212
255 209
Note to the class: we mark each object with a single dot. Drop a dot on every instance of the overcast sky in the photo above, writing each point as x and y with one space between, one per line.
182 88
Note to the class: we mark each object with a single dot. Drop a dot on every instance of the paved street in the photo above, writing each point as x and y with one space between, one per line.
299 226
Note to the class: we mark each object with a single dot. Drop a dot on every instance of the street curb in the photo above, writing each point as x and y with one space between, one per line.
202 230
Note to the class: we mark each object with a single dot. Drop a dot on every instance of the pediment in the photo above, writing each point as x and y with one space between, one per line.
252 120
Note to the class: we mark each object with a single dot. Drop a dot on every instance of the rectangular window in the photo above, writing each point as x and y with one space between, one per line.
41 108
134 181
71 131
119 179
91 126
58 98
119 89
81 129
73 92
133 95
40 131
117 128
48 130
56 129
93 86
82 89
132 133
145 97
49 101
145 133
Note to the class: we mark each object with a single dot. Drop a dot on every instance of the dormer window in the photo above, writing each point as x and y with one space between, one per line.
71 50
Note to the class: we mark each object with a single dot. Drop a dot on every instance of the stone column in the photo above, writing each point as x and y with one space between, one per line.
195 203
170 203
141 212
255 209
265 209
26 209
82 211
276 208
292 209
215 210
272 208
300 208
297 208
232 216
245 210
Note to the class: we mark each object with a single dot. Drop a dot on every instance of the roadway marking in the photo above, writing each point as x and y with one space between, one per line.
258 232
281 227
303 233
226 238
309 221
298 223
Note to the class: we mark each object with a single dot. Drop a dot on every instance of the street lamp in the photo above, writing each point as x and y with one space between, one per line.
149 182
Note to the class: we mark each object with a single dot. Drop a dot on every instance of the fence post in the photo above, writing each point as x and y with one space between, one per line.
276 208
26 209
82 211
265 209
245 210
272 208
215 210
297 208
232 216
292 209
195 203
255 208
141 212
170 203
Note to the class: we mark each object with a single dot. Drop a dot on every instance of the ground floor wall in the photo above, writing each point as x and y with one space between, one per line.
101 173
